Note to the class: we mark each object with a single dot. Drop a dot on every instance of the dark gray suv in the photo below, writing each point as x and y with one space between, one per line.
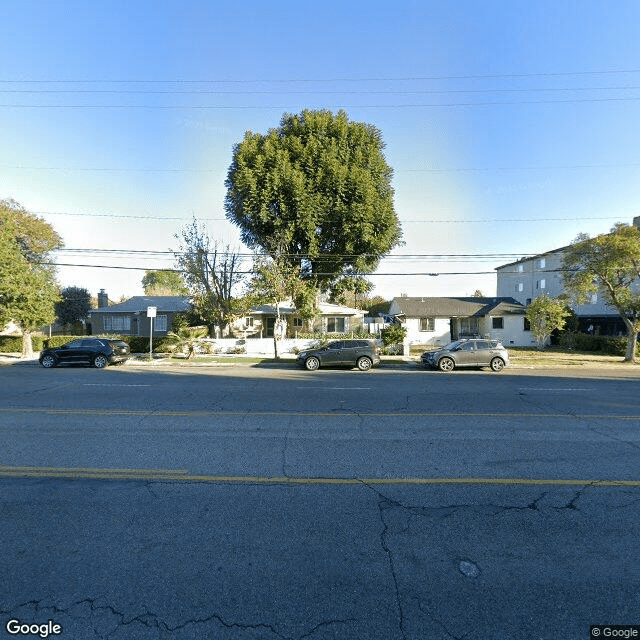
468 353
363 354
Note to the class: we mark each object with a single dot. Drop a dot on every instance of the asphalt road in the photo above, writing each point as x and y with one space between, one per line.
270 502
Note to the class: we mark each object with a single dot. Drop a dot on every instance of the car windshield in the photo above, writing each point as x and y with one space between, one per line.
452 345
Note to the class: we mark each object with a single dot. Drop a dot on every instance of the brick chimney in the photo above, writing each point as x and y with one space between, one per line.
103 299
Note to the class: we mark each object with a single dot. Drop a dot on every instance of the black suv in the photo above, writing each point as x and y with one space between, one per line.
98 352
363 354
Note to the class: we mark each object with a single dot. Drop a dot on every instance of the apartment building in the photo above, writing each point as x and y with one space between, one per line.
534 276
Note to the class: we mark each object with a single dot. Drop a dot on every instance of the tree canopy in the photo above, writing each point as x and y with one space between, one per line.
28 291
545 315
164 283
319 187
73 306
211 273
609 263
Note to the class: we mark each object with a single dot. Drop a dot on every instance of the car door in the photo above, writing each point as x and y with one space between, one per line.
334 353
484 353
71 353
466 355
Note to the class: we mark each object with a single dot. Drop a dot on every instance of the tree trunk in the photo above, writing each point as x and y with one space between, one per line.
632 340
27 344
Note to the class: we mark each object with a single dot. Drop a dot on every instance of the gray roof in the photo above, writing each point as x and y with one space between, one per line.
139 304
456 307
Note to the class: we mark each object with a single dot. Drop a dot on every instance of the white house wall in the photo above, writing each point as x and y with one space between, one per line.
512 334
439 336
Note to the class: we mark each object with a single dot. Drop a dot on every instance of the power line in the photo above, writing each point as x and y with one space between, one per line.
338 106
337 91
433 221
396 170
547 74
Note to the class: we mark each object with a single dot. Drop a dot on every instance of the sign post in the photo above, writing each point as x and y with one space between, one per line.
151 314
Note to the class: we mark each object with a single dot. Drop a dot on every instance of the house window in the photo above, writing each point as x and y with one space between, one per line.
335 325
594 298
298 323
519 287
160 323
427 324
527 324
497 323
248 321
116 323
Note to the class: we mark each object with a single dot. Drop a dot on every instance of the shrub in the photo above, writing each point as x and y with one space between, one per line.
393 334
612 345
13 344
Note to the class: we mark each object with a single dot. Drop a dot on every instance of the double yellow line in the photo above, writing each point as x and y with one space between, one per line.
182 475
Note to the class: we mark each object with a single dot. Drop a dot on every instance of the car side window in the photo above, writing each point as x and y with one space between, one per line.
75 344
483 344
467 346
335 346
88 343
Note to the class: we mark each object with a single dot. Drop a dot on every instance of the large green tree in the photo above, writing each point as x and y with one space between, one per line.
319 186
609 263
28 291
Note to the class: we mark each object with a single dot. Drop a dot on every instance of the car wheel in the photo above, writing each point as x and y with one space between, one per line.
100 362
364 363
446 364
497 364
48 362
312 363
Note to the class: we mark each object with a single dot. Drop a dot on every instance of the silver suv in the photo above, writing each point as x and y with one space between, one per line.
468 353
363 354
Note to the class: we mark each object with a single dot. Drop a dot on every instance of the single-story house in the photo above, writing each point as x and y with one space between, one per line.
260 322
438 321
130 317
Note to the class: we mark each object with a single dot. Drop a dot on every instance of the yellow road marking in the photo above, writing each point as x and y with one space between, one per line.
311 414
182 475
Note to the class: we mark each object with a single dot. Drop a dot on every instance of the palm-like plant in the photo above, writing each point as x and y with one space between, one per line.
187 338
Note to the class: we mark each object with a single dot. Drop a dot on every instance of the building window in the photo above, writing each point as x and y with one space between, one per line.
541 284
116 323
335 325
594 298
543 263
298 323
527 324
497 323
160 323
427 324
520 268
519 287
248 321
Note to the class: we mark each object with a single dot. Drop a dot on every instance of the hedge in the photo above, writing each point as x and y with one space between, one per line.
612 345
13 344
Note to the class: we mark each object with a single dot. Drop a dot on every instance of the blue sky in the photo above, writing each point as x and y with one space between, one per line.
511 126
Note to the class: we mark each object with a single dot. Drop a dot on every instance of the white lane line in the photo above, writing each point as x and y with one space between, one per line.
107 384
337 388
553 389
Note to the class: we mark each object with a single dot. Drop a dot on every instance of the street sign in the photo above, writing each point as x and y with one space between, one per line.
151 312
